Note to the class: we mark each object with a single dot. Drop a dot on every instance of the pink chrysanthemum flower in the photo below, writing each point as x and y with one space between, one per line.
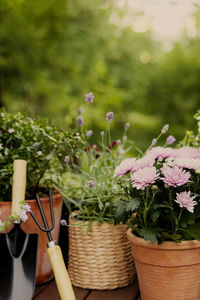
161 152
143 177
174 176
124 167
188 152
188 163
184 199
146 161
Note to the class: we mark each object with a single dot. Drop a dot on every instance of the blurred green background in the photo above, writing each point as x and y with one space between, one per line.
54 52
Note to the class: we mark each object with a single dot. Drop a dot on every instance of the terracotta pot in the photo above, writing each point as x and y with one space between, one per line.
44 270
167 271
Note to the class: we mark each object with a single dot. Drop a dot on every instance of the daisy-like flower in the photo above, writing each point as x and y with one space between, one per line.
161 152
174 176
146 161
184 199
187 163
125 166
188 152
144 177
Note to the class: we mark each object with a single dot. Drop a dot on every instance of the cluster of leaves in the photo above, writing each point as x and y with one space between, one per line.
44 147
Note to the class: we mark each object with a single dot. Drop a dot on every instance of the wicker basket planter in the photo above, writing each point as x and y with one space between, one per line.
100 259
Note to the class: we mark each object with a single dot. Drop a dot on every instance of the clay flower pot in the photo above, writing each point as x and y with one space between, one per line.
167 271
44 270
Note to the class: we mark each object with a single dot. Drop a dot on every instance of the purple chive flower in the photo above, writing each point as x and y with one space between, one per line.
109 116
118 142
80 120
184 199
36 145
170 140
79 110
127 125
39 153
165 128
63 222
67 159
154 142
102 133
11 130
89 133
175 176
90 184
23 216
89 98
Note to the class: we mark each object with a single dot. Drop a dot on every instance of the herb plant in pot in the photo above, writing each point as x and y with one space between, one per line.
99 252
161 204
44 147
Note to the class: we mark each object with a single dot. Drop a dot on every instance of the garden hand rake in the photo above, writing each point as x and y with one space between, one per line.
55 255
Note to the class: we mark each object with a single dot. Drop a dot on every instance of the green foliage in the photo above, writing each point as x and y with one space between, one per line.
43 146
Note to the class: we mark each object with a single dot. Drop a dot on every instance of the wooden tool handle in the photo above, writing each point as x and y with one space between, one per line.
19 185
61 276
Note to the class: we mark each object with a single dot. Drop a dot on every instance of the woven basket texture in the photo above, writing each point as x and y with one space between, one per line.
101 258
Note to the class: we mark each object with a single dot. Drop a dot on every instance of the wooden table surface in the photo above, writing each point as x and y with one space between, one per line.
49 291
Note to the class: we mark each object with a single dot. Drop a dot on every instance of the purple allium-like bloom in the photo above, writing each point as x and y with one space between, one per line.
26 207
39 153
165 128
125 166
36 145
11 130
79 111
170 140
109 116
80 120
118 142
89 133
89 97
63 222
154 142
102 133
90 184
184 199
67 159
174 176
144 177
187 163
23 216
127 125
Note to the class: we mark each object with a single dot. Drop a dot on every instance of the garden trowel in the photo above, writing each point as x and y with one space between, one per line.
18 250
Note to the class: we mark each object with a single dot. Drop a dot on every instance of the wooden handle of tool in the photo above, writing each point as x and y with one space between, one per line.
61 276
19 185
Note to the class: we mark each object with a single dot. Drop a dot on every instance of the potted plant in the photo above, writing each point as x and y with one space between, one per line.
99 252
44 147
161 205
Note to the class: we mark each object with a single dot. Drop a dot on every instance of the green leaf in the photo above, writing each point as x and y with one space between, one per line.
155 206
149 235
173 236
132 204
155 215
121 209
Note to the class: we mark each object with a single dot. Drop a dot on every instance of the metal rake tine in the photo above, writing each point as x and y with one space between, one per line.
43 214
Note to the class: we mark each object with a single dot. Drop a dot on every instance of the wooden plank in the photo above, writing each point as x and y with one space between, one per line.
139 298
127 293
50 291
81 294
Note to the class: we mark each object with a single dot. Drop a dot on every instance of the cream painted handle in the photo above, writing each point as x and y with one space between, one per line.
19 185
61 276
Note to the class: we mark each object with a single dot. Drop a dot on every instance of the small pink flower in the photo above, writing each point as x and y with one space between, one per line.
23 216
174 176
144 177
184 199
125 166
170 140
26 207
11 130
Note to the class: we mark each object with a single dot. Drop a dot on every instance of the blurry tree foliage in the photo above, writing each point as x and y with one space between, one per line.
54 52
